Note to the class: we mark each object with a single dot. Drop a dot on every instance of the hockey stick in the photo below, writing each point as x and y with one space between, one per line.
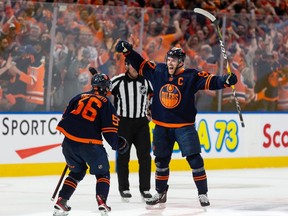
224 54
59 183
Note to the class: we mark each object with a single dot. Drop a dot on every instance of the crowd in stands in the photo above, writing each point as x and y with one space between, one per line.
46 47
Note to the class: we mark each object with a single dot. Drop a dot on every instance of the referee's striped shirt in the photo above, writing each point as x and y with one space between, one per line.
130 95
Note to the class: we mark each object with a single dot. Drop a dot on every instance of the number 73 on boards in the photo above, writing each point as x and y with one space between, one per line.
227 135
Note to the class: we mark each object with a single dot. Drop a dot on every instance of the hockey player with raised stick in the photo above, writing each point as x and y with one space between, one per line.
89 116
173 111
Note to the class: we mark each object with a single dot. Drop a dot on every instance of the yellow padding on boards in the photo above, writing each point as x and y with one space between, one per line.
40 169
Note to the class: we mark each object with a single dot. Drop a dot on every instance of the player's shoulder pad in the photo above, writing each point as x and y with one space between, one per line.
117 77
192 71
161 66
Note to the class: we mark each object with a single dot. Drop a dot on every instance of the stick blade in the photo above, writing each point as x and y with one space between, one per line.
205 13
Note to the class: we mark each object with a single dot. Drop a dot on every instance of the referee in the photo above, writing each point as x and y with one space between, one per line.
131 93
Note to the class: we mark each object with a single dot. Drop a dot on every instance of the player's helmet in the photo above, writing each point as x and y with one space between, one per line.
176 52
101 83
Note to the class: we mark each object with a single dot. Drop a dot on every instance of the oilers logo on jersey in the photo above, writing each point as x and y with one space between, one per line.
170 96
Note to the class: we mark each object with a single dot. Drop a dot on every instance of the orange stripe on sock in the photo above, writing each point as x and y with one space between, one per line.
71 183
199 178
163 178
104 180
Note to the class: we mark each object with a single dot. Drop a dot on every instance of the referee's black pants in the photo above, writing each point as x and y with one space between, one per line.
136 132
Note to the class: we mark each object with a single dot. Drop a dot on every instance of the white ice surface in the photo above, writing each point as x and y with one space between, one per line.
241 192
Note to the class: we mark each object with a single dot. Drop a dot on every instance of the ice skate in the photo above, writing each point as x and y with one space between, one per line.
61 208
102 207
146 195
125 195
203 199
157 201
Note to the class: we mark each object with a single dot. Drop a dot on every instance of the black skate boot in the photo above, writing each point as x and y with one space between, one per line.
102 207
203 199
146 195
157 201
126 195
61 208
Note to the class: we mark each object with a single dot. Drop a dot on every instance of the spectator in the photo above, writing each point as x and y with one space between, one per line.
282 104
267 84
237 66
33 78
4 46
23 59
33 35
6 100
110 20
158 44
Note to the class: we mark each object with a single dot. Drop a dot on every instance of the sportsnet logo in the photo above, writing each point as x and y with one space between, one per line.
170 96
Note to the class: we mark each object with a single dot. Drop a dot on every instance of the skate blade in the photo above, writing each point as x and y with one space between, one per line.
104 210
156 206
126 200
205 206
204 209
58 212
104 213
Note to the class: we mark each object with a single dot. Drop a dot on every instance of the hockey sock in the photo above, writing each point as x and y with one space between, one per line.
200 179
198 172
68 188
162 173
103 186
161 178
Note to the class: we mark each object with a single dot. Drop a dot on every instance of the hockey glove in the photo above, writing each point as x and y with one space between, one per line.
123 145
93 70
123 46
229 79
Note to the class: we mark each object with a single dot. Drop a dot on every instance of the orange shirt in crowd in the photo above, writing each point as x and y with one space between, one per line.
35 84
157 47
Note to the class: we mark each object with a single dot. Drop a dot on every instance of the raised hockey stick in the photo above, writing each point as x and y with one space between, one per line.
224 54
59 183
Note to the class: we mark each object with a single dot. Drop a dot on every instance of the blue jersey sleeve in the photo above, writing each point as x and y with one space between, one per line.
109 124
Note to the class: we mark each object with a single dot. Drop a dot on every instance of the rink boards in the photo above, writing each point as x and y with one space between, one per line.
30 144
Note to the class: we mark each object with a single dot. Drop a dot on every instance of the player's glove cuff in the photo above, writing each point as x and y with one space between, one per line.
123 145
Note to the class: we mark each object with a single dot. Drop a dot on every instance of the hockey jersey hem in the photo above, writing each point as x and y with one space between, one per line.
171 125
78 139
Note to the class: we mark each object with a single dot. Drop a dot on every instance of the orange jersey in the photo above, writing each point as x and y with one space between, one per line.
35 84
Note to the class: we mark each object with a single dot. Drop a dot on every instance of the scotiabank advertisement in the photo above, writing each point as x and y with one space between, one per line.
32 138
